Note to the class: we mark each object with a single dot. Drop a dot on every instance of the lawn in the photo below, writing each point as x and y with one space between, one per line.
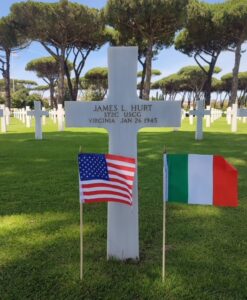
39 221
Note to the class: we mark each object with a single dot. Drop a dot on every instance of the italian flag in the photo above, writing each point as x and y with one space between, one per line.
200 179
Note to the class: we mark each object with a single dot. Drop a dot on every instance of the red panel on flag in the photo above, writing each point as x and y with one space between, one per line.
225 183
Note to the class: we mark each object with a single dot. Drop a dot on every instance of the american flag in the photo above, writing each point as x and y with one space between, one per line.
106 177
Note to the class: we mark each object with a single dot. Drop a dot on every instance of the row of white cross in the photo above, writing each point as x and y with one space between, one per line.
25 115
233 114
5 117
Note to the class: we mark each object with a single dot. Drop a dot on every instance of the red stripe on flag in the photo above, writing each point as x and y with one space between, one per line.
93 185
107 200
122 182
121 175
225 184
120 167
120 158
92 193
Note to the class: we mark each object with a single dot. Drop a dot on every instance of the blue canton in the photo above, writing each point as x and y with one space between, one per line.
92 166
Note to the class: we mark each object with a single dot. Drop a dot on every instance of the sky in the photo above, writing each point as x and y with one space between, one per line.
168 61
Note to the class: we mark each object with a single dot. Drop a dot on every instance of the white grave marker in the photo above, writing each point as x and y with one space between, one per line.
237 113
229 115
37 113
242 113
191 118
60 117
123 114
3 118
234 117
200 112
44 116
28 117
23 115
7 113
208 117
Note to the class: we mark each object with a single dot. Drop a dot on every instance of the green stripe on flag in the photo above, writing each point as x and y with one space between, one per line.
177 177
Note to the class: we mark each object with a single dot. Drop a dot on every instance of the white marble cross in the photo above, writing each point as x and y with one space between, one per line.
229 115
208 117
53 115
37 113
3 118
242 112
23 115
7 113
123 114
44 116
237 113
191 119
200 112
28 117
60 117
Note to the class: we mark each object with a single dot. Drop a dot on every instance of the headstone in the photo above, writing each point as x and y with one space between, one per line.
123 114
191 118
208 117
183 114
242 113
7 114
229 115
53 114
38 113
43 117
237 113
3 118
234 127
28 117
60 117
23 115
200 112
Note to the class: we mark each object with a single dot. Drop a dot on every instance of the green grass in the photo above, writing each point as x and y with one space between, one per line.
39 222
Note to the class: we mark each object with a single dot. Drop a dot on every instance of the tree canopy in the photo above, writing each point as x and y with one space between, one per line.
204 37
149 24
10 40
66 30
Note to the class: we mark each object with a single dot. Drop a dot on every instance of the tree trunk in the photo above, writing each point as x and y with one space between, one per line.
6 76
147 83
142 78
61 86
52 91
75 90
208 83
235 71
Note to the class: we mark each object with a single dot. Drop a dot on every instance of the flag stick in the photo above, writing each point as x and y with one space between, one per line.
81 230
164 242
164 218
81 240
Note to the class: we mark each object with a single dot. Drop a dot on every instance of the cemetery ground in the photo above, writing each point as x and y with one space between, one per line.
206 255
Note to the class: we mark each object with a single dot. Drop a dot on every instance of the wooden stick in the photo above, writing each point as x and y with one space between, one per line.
164 242
164 218
81 240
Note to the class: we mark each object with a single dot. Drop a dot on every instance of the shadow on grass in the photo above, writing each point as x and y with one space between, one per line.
204 260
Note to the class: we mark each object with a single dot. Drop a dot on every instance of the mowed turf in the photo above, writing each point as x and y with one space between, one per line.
39 221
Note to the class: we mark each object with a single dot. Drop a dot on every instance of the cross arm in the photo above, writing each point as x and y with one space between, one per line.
242 112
